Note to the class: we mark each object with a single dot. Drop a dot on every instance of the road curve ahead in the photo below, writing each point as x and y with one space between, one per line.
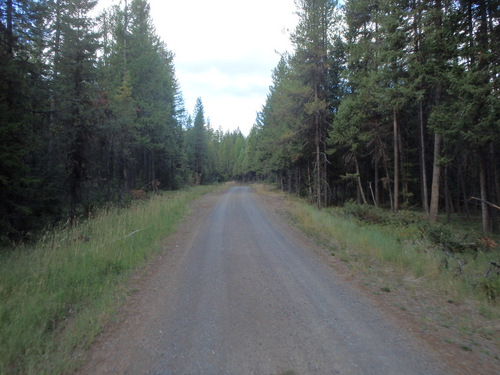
249 298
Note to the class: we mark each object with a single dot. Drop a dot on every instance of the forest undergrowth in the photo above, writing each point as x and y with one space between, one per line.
57 294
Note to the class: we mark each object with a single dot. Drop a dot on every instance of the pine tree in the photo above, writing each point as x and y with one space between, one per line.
23 93
312 43
363 123
196 145
75 92
281 135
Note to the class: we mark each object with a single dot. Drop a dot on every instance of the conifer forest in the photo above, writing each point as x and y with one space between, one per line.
392 103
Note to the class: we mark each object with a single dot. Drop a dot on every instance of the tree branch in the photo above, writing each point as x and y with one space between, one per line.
488 203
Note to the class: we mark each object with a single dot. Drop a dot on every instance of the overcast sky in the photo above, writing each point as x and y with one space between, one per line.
225 51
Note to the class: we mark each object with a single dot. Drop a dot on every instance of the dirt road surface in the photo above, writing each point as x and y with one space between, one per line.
237 291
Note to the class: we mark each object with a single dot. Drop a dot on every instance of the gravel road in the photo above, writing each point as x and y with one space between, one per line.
240 293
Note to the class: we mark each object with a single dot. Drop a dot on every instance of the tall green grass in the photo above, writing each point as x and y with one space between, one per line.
407 244
56 295
351 239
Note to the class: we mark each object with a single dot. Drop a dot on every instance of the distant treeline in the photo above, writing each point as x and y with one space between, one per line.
90 110
394 103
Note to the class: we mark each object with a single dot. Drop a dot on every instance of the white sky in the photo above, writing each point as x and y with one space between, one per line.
225 51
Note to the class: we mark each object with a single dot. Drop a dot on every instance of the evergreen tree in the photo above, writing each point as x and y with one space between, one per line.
281 135
23 94
313 43
196 145
75 93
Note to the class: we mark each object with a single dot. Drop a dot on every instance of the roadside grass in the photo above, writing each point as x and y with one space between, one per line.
450 258
57 294
363 243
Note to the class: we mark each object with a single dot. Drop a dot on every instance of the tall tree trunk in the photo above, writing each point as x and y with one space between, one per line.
436 174
318 164
402 170
492 188
496 176
387 179
447 196
396 161
153 172
297 180
465 197
309 180
377 184
423 169
484 193
360 186
326 190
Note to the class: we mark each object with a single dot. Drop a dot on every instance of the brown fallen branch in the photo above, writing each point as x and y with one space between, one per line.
488 203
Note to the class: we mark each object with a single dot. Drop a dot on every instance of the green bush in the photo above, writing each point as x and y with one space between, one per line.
373 215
